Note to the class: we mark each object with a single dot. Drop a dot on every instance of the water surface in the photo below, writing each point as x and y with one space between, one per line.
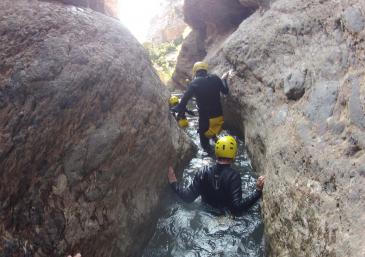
196 230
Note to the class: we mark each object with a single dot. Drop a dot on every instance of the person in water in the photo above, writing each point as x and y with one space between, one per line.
219 185
206 88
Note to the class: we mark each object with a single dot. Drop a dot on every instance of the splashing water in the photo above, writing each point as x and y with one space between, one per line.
196 230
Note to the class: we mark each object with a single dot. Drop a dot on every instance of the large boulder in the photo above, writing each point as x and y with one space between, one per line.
85 134
109 7
297 92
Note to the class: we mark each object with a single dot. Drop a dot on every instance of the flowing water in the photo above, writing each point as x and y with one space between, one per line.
196 230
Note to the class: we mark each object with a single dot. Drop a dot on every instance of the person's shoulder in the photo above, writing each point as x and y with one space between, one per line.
213 76
232 173
214 79
197 80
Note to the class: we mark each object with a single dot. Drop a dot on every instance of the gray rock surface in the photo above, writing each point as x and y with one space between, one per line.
210 21
109 7
354 19
357 102
321 101
85 134
294 85
311 150
192 50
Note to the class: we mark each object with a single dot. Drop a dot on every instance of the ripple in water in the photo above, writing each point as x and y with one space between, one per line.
196 230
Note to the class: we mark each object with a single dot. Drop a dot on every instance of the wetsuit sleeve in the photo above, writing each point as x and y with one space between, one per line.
240 204
190 193
181 107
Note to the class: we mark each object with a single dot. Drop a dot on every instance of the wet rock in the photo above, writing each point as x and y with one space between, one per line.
321 101
354 19
82 119
294 85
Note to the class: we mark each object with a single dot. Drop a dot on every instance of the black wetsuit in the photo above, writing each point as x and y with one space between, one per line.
206 88
220 187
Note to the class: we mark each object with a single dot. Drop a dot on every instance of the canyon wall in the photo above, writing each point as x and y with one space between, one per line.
108 7
297 92
85 134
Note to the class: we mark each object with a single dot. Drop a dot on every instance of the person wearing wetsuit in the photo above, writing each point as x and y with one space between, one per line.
219 185
206 88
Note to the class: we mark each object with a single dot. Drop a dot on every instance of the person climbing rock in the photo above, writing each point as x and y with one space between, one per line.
206 88
219 185
181 116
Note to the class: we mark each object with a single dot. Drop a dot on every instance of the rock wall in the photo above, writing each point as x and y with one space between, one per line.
108 7
210 21
85 134
169 24
298 93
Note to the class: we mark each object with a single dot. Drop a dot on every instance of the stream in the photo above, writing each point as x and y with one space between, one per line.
197 230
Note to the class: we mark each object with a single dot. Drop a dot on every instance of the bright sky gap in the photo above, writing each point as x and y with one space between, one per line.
136 15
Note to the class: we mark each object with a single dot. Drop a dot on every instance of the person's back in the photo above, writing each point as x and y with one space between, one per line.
217 184
207 91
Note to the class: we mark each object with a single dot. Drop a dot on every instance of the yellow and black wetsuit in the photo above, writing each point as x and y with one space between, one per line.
219 186
206 88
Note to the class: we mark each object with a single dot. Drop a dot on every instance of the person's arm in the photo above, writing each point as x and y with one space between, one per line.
188 194
225 89
240 204
181 107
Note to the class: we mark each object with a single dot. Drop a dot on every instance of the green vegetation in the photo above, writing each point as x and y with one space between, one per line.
163 57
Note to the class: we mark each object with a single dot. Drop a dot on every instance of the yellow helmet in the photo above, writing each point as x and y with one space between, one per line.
183 123
199 66
174 100
226 147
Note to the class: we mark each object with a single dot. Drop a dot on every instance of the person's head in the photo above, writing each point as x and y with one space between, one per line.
200 67
174 100
226 149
